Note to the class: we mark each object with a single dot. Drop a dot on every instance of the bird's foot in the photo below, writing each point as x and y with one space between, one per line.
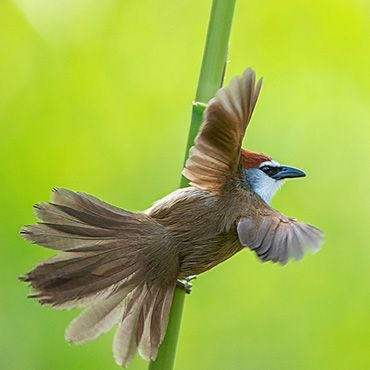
185 283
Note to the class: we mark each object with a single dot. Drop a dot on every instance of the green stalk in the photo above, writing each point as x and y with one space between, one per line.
210 80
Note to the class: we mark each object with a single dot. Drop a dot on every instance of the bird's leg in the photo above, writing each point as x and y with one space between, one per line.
185 283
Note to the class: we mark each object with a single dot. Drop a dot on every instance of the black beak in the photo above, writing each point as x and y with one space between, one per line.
286 172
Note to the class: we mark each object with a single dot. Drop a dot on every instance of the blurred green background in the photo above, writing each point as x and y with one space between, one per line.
96 96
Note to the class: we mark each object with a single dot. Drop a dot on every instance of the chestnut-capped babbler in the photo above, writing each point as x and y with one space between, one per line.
124 266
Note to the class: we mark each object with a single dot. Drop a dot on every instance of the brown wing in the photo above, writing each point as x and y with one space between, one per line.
214 158
277 238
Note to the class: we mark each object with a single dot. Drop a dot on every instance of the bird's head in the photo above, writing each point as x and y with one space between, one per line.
264 175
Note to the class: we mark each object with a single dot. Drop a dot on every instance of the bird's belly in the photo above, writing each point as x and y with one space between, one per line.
202 255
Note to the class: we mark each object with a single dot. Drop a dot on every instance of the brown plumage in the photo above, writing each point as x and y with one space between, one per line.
123 266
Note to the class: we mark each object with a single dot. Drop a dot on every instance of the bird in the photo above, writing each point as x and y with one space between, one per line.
122 267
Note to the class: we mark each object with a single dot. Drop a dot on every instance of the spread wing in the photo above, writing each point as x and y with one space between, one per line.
214 158
277 238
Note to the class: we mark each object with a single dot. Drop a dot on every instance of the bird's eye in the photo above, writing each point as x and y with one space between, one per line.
265 168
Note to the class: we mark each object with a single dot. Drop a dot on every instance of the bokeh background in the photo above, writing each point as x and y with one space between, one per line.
96 96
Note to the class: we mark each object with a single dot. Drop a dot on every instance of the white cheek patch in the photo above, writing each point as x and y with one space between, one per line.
262 184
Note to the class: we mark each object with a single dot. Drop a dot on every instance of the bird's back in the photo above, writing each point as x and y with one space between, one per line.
202 226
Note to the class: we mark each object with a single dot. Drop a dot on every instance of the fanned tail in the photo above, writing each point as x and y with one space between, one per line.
113 262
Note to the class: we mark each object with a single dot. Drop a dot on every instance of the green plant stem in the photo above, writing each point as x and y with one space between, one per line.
210 80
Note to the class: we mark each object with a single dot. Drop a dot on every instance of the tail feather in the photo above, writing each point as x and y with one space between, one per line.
150 336
155 322
114 262
59 238
96 320
142 327
82 277
88 203
66 228
165 311
126 338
